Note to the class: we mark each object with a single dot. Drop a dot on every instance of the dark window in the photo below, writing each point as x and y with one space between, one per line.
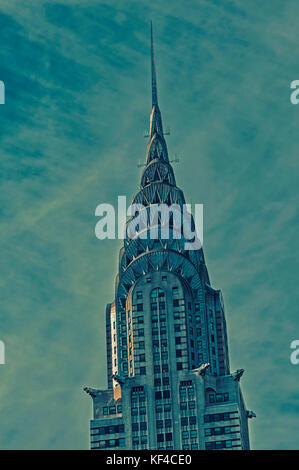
166 394
178 353
177 328
192 420
184 421
159 424
143 426
158 395
178 340
157 382
134 426
179 366
165 368
139 388
175 302
156 369
160 437
139 307
165 380
210 445
186 383
211 398
142 371
168 423
168 436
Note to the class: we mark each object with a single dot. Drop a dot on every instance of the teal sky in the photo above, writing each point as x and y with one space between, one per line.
77 77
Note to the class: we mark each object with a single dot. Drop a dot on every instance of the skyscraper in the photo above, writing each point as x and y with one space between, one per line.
169 381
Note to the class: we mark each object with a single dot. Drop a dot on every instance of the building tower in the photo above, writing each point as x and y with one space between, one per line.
169 382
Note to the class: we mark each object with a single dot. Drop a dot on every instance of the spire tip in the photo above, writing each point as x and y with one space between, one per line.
154 77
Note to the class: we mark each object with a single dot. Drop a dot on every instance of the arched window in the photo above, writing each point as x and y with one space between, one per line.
157 293
157 298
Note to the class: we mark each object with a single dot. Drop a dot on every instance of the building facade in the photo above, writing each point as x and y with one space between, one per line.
169 380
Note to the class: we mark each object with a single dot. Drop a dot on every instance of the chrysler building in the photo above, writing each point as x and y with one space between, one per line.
169 379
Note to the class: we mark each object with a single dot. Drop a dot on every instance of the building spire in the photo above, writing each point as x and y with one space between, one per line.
157 145
154 76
